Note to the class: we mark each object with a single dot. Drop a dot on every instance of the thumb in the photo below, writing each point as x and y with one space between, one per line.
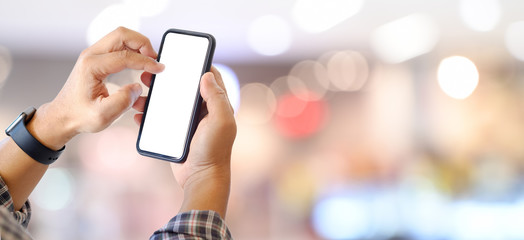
214 96
115 104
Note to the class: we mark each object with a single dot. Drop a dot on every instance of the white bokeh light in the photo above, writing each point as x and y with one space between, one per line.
231 82
289 84
478 221
148 8
269 35
514 40
258 104
427 205
6 64
55 190
480 15
458 77
316 16
111 18
347 70
309 80
405 38
341 217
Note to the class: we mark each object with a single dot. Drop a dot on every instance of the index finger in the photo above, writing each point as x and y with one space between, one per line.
123 39
104 64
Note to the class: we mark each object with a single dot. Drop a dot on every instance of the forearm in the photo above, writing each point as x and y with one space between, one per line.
20 172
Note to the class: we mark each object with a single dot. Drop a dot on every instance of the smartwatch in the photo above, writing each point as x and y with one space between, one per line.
29 144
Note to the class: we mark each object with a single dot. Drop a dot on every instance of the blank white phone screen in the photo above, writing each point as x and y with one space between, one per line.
169 112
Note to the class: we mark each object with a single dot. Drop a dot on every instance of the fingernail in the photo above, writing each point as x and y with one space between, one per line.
212 76
161 65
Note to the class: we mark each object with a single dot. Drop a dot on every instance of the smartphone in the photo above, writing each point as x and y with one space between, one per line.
173 105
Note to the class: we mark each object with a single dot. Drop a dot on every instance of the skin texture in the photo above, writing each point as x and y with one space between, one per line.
84 105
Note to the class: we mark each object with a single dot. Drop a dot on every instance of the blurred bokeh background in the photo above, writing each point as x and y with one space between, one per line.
357 119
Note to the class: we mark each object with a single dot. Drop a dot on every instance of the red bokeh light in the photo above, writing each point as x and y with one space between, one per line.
299 117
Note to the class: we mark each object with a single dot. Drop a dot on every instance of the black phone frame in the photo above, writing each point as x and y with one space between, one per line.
197 107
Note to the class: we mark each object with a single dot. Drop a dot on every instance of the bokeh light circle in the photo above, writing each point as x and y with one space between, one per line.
269 35
300 124
280 86
55 190
514 38
480 15
258 104
458 77
405 38
147 9
315 16
347 70
109 19
291 106
341 217
314 79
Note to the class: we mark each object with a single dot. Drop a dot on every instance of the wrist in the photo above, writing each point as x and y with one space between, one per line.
209 175
207 190
51 127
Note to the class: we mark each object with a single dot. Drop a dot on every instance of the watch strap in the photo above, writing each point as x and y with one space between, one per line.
31 146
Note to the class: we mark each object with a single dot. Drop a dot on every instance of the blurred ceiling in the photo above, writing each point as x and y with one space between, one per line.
58 28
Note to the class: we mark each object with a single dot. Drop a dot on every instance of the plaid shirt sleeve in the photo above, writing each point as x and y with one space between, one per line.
12 223
194 224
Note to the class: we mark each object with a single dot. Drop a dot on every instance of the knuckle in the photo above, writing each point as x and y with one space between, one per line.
121 30
221 93
85 52
86 61
124 54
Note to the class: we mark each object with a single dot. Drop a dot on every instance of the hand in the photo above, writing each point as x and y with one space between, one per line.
205 176
84 104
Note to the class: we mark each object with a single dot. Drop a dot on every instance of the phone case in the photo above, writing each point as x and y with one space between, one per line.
196 113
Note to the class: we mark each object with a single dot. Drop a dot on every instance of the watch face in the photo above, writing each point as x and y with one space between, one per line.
19 119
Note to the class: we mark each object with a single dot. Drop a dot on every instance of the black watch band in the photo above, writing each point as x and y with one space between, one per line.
29 144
